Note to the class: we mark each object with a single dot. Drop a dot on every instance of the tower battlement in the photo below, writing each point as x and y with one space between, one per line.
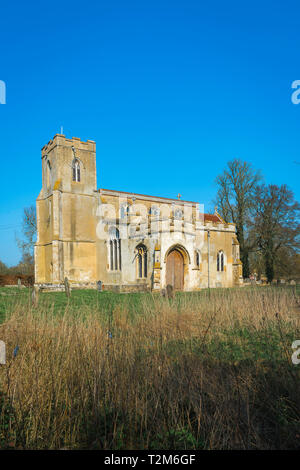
62 141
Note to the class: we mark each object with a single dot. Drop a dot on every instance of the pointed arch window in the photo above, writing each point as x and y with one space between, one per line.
220 261
124 211
114 249
76 170
48 170
142 261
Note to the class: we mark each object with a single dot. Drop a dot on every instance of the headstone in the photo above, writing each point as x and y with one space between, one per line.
19 283
2 353
67 287
99 286
35 296
170 292
163 292
292 282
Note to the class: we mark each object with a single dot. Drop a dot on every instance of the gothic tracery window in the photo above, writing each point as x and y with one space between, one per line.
114 249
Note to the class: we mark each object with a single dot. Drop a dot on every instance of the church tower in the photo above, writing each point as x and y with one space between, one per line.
66 207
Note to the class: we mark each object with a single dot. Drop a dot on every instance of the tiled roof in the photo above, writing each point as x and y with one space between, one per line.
212 218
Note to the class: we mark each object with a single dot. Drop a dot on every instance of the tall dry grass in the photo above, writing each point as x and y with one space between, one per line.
201 371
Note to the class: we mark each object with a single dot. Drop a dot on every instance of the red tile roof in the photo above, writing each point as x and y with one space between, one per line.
212 218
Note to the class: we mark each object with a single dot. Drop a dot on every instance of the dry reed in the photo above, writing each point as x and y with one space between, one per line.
167 378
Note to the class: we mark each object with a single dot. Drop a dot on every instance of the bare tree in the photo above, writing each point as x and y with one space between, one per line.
287 263
275 225
26 244
3 268
236 188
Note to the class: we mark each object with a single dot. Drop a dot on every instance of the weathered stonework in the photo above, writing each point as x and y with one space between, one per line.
74 220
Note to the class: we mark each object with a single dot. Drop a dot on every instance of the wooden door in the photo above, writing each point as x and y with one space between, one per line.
174 275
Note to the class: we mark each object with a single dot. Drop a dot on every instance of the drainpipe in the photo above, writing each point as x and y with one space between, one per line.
208 273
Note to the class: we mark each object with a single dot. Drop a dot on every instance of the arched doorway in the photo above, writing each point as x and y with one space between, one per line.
175 269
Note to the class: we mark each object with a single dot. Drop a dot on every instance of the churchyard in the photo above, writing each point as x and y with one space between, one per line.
99 370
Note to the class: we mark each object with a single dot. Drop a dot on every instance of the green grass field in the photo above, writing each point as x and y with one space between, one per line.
205 370
238 343
105 302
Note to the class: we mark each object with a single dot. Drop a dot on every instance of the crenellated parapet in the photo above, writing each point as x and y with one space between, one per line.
61 141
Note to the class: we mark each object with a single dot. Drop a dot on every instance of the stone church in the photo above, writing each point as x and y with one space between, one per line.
123 241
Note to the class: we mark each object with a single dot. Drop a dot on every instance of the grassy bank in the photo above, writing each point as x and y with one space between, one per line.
207 370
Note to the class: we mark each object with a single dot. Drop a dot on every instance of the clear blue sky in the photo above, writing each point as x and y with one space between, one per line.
169 90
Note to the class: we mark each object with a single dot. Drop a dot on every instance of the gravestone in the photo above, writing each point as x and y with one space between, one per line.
292 282
35 296
99 286
19 283
170 291
2 353
67 287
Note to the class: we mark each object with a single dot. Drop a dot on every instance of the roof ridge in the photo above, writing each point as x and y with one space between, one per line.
147 195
